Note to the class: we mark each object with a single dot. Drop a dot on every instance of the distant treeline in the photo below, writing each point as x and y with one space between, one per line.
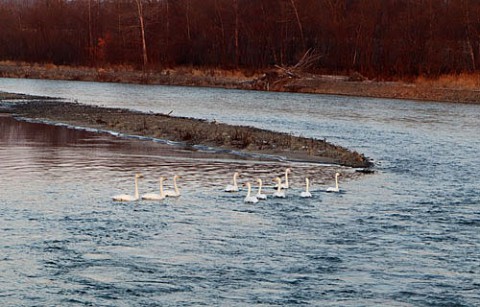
382 38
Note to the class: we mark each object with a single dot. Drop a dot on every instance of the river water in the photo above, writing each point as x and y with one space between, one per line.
409 235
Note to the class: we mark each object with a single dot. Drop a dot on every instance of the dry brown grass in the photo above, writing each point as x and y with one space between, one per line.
469 81
226 74
13 63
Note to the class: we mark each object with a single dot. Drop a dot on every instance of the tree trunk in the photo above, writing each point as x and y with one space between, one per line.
299 23
167 26
237 52
142 29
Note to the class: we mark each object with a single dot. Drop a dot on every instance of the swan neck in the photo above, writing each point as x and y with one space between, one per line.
137 196
260 187
161 188
175 185
286 178
249 189
307 186
235 180
336 182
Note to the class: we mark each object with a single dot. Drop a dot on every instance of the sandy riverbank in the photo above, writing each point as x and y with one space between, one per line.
188 131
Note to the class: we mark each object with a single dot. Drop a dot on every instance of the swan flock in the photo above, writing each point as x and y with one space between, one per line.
280 189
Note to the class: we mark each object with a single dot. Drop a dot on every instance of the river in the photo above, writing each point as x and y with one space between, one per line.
408 235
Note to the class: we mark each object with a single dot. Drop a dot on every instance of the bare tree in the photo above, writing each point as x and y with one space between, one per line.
299 23
468 31
378 38
237 48
142 29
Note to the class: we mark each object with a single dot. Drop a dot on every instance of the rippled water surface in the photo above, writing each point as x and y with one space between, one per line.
408 235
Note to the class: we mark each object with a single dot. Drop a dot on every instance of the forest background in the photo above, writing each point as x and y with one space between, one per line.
382 39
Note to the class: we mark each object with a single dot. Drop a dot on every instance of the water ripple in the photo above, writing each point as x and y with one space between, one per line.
405 236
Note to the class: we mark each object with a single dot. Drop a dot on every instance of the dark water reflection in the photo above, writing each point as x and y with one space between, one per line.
31 144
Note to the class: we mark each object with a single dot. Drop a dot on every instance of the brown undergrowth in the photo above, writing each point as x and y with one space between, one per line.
463 88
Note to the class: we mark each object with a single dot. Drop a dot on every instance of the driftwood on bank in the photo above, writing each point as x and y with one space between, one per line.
276 78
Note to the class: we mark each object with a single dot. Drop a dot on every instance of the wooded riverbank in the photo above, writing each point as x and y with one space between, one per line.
456 89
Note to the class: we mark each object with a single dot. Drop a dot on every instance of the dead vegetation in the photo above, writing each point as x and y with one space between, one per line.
463 81
449 88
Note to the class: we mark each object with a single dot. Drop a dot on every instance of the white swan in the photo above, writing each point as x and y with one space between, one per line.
249 198
286 185
175 192
279 193
306 193
336 188
126 197
259 194
233 187
154 196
